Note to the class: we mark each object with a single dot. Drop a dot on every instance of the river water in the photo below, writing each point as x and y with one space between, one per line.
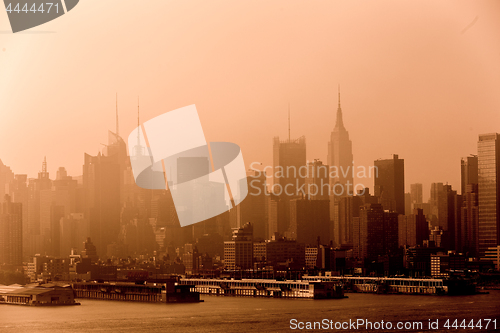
242 314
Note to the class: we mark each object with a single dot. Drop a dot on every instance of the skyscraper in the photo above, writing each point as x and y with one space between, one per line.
11 234
375 232
469 172
340 151
469 221
348 209
437 203
193 204
238 252
34 242
408 203
413 228
289 157
254 208
101 180
340 162
18 189
309 220
6 175
416 193
317 181
62 194
488 151
453 203
339 159
390 184
368 232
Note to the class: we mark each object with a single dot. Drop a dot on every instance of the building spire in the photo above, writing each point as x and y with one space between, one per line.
44 164
340 122
117 125
339 95
138 148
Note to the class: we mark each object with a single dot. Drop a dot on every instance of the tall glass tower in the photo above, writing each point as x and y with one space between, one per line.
488 153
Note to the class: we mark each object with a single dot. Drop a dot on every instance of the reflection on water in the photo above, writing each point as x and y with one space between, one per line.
241 314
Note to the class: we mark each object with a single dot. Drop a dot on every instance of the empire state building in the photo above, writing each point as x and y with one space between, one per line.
340 154
340 161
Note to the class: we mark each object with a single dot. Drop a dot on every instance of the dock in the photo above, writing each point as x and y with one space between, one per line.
399 285
166 292
266 288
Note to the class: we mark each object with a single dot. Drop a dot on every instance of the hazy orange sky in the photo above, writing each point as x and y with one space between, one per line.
419 78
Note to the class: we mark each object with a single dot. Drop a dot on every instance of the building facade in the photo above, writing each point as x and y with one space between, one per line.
488 151
390 184
11 232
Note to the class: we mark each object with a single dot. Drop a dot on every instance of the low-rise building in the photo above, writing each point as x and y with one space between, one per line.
37 295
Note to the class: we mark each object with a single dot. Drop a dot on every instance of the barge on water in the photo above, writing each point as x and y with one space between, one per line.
267 288
48 294
165 292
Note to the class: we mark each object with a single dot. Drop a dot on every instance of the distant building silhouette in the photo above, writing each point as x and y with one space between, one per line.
11 232
330 259
317 181
348 208
469 241
413 229
101 182
469 172
340 156
56 202
390 184
6 176
254 208
408 203
90 251
309 221
375 232
289 157
448 219
340 161
18 189
238 252
282 253
466 236
73 232
416 193
438 205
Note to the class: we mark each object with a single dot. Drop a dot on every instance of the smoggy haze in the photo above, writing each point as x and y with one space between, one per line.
419 79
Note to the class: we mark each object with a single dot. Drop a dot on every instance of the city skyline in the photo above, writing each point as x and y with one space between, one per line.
235 155
409 81
367 181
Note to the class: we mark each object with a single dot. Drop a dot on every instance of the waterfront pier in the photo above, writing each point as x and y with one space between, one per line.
397 285
169 292
267 288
